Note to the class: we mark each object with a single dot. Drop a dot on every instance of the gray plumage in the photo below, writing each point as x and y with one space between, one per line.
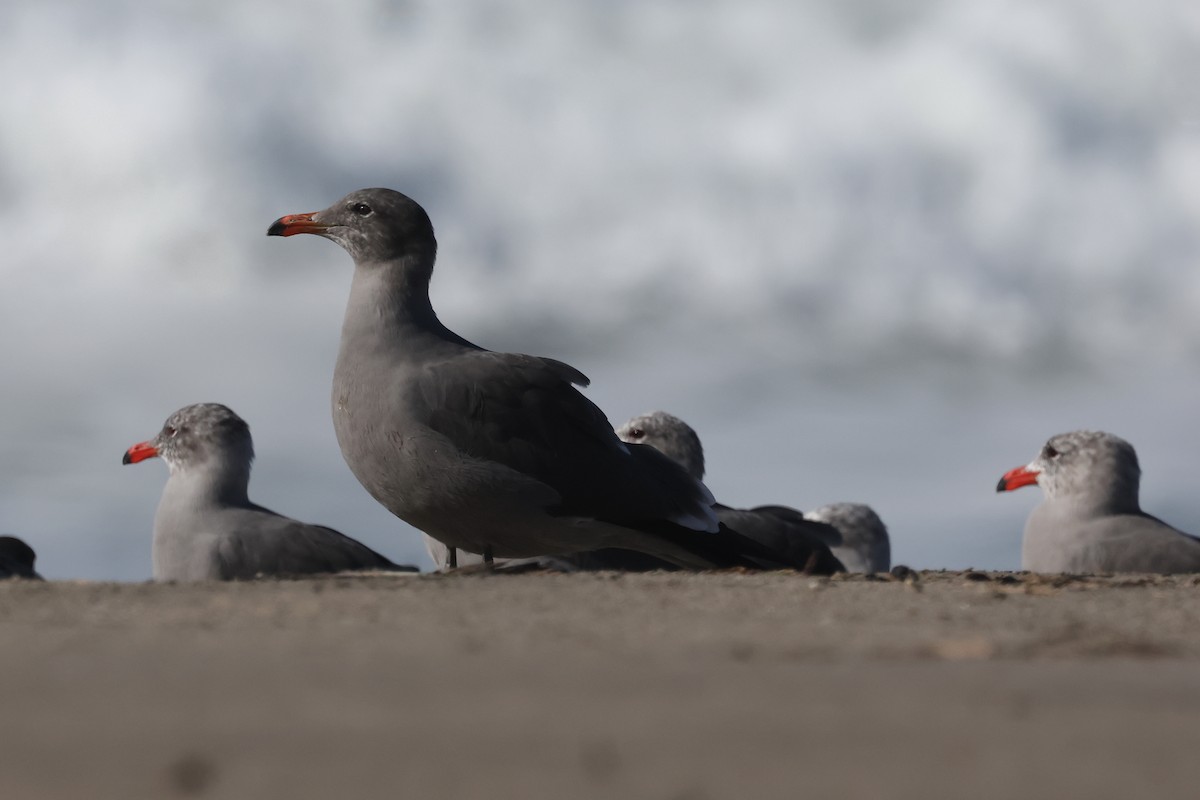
1090 519
669 435
780 528
487 452
206 527
865 545
16 559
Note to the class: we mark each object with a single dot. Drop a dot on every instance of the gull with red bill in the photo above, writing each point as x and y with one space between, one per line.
1091 520
493 453
206 527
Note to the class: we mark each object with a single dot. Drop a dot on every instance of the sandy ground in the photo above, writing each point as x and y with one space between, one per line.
681 687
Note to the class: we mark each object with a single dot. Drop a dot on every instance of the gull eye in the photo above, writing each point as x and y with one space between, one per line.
170 431
637 433
362 209
1050 452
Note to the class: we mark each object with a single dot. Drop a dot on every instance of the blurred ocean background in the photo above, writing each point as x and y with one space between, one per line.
871 250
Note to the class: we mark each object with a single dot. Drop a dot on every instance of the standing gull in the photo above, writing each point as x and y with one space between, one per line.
493 453
1090 520
855 533
206 528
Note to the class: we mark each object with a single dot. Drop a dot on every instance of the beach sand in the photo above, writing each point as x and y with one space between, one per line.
672 686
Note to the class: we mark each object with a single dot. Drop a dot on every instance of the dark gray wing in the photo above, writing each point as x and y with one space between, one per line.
265 543
786 532
792 519
1141 543
525 413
